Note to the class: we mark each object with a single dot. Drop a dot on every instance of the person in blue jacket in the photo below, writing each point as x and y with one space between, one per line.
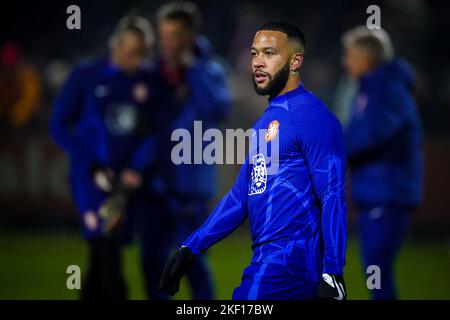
384 146
195 90
295 201
102 119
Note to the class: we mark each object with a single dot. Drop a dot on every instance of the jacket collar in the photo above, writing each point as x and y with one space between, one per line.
282 100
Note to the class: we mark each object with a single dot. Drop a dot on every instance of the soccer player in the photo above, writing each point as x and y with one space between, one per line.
298 212
101 120
195 89
383 140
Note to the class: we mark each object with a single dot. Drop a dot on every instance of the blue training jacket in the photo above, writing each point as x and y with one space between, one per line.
384 139
103 117
297 213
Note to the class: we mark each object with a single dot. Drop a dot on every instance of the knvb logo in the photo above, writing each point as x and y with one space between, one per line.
212 147
259 175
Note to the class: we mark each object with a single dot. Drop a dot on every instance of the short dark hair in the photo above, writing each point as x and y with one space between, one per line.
183 11
292 31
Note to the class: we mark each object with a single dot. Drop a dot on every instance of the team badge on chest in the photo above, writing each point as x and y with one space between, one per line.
259 175
272 130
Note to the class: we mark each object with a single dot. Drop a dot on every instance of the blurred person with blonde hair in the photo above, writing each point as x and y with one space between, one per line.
103 119
384 142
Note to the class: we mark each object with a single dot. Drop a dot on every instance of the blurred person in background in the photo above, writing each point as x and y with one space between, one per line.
19 87
384 146
102 120
195 90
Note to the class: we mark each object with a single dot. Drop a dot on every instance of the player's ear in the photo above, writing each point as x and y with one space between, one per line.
296 61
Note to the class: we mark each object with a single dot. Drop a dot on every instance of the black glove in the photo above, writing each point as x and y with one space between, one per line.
332 287
175 269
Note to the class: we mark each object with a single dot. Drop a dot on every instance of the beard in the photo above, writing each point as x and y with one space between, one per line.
276 83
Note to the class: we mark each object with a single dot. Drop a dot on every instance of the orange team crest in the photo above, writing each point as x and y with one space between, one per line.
272 130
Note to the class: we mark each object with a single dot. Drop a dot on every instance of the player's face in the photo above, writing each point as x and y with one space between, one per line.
174 39
129 51
270 62
355 61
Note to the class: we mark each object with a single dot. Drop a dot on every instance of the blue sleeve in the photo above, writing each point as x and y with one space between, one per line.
208 89
229 214
144 156
386 113
66 112
323 148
